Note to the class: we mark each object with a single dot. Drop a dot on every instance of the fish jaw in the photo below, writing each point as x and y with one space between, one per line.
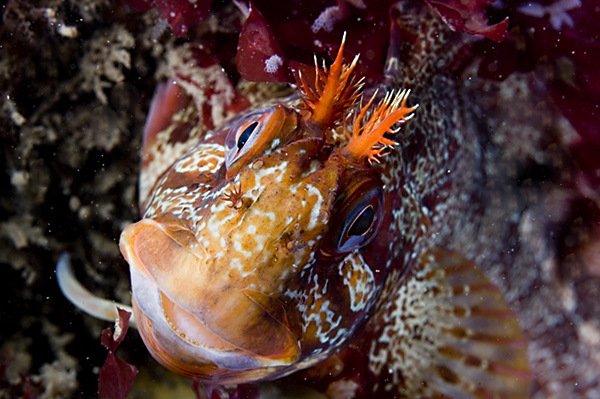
168 276
202 314
193 361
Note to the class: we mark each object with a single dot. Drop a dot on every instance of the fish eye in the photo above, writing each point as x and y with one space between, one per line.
362 222
245 134
357 218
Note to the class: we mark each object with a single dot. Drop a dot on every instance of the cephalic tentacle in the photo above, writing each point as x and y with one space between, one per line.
334 91
367 139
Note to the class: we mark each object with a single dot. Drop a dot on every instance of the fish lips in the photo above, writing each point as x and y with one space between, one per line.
188 325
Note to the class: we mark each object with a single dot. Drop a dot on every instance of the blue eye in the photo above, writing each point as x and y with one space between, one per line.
362 222
357 213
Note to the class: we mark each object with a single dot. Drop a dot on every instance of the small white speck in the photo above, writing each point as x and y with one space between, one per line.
273 63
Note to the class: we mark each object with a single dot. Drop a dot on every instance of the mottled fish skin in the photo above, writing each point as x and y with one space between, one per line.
464 174
264 301
423 316
434 181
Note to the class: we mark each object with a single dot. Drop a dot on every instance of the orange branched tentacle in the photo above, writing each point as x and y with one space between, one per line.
367 140
327 105
333 93
234 195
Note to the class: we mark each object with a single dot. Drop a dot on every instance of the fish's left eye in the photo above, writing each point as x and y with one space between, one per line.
362 222
357 214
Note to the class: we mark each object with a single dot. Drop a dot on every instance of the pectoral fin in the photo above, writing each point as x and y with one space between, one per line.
482 352
449 333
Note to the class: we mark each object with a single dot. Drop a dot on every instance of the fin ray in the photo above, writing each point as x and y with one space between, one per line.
449 333
485 349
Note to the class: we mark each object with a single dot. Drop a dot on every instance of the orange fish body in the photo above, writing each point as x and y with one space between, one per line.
277 239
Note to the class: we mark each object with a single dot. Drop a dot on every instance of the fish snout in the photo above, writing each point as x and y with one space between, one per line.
192 318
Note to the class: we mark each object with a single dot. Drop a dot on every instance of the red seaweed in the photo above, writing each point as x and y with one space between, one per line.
469 17
180 14
259 57
116 376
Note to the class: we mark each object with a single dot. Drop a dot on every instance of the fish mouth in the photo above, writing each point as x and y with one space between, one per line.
193 321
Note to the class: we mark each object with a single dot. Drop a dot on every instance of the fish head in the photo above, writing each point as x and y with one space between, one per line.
247 263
